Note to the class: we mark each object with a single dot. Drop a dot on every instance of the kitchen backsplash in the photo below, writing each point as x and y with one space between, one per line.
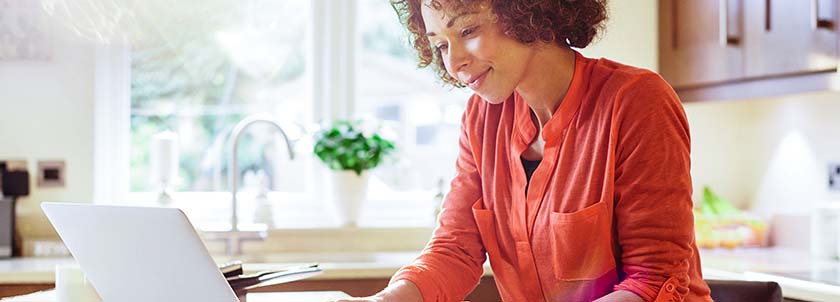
767 154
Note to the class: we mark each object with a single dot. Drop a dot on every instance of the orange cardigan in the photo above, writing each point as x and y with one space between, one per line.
609 207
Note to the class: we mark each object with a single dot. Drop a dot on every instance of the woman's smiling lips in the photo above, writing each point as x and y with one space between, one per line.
475 81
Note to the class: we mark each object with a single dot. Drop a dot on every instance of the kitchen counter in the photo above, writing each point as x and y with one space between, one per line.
30 270
334 265
41 270
255 297
800 276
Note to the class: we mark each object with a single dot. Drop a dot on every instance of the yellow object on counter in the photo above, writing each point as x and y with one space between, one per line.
743 230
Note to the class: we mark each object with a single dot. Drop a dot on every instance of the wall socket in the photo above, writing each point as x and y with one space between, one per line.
51 173
834 176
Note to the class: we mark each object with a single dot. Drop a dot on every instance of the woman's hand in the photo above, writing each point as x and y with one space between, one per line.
400 291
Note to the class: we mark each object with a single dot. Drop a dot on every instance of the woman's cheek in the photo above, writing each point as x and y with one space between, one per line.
475 46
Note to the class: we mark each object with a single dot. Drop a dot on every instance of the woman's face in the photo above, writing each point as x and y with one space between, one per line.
476 52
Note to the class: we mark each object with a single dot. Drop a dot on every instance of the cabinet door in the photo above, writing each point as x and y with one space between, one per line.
700 41
790 37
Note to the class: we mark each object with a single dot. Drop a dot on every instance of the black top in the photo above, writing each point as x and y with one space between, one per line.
530 166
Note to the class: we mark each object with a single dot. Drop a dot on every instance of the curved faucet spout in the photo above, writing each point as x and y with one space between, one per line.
233 163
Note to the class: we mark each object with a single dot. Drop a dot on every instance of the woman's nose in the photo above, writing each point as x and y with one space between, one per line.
458 57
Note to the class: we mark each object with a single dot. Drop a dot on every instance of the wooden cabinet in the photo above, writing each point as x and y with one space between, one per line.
11 290
789 37
743 48
699 42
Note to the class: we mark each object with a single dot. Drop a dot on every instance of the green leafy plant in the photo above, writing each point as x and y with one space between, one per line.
344 147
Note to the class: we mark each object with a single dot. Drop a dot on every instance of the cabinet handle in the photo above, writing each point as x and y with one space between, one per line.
729 35
675 24
767 6
821 21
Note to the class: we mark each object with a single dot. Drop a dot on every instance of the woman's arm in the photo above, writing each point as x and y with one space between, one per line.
653 207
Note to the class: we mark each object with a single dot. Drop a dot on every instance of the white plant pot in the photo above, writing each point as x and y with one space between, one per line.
348 192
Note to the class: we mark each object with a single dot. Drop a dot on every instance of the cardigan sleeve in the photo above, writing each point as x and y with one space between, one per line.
653 207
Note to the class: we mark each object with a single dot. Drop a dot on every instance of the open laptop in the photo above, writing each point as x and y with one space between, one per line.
139 254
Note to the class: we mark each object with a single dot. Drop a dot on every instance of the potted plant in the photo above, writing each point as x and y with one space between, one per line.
350 153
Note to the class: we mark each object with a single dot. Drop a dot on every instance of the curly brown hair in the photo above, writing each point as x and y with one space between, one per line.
566 22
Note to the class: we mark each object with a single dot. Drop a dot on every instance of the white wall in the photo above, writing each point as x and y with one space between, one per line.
631 34
46 112
720 132
769 154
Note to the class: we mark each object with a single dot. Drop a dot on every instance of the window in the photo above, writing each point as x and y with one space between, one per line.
294 60
426 114
201 84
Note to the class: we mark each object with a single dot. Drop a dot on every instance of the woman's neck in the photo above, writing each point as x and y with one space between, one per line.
547 80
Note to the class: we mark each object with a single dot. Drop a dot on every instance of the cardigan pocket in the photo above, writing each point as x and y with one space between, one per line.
582 243
503 266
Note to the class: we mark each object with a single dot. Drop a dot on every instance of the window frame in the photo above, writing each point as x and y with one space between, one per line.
334 60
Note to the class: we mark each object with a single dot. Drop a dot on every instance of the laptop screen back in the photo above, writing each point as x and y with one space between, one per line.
139 254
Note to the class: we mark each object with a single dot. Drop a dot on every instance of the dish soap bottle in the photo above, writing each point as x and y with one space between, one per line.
263 210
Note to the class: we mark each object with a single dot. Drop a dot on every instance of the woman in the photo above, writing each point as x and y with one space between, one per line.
573 173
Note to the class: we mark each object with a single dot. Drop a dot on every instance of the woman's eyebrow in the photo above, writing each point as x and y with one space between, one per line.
452 21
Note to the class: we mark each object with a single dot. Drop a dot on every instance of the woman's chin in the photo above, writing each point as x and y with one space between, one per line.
492 99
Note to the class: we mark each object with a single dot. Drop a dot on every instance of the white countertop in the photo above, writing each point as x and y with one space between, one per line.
800 276
334 265
30 270
252 297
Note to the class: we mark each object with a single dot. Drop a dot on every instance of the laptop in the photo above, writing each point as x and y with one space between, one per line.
139 254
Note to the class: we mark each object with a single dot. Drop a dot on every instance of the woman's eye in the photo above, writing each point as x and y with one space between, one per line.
468 31
441 47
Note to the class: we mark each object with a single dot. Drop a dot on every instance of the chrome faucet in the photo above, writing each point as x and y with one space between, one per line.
233 238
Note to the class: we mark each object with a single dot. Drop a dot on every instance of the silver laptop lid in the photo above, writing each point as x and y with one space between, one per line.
139 254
